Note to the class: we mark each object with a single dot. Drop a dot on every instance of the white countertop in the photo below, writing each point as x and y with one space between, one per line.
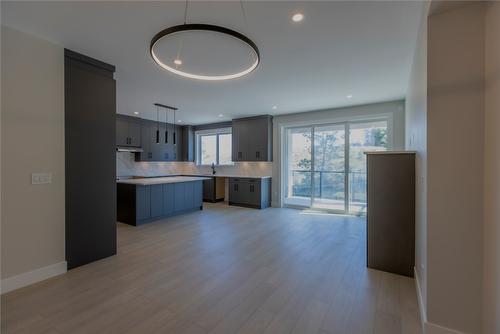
161 180
228 175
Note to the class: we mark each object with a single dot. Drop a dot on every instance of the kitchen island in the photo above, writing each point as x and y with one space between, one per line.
143 200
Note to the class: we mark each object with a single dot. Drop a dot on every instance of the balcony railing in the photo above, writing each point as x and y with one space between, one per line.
329 185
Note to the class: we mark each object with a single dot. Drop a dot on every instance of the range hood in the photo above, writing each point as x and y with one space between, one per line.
129 149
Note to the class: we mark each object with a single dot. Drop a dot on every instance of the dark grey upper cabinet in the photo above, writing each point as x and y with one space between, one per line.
178 143
252 139
128 131
161 142
121 131
187 143
166 137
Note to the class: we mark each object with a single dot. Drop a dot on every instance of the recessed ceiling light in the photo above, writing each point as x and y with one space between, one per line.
220 115
178 62
297 17
275 107
179 121
136 113
349 96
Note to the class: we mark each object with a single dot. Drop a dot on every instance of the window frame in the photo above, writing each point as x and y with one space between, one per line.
211 132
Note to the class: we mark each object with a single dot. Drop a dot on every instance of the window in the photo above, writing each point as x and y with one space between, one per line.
214 147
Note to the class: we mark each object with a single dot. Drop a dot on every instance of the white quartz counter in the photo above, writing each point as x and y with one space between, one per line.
161 180
228 175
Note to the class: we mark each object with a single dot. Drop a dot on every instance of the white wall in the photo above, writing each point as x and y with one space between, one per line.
491 273
394 110
455 139
416 139
32 141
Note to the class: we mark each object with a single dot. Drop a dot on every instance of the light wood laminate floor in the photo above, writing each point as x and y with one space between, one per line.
224 270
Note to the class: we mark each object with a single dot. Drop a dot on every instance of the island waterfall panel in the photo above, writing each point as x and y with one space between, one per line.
90 145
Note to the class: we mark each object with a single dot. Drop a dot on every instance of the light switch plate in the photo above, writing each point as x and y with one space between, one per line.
41 178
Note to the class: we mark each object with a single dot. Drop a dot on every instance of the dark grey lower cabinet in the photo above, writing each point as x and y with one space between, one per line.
138 204
391 212
250 192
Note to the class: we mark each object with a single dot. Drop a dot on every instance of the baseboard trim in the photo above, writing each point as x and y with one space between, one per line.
32 277
421 305
429 327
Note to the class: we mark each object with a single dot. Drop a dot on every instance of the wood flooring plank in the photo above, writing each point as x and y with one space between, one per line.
224 270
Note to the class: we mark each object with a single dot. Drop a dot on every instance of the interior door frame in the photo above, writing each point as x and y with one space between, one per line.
346 122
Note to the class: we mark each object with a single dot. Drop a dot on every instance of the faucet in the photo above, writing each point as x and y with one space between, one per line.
213 168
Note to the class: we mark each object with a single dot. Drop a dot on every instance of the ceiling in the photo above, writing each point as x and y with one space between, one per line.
363 49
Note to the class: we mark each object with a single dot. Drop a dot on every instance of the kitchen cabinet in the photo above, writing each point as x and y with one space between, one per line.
90 162
170 142
139 204
391 212
166 142
213 189
250 192
187 143
175 142
128 131
252 139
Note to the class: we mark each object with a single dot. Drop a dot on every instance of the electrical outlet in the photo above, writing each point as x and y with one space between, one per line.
41 178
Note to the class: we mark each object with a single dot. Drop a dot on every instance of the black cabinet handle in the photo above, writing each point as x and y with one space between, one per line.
157 136
174 138
257 154
166 137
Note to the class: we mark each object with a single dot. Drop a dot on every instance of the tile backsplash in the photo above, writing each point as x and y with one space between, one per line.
127 166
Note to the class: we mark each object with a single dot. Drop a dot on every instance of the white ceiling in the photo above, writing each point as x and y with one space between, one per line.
354 48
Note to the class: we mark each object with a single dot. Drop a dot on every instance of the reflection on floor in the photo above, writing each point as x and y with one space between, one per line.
355 208
224 270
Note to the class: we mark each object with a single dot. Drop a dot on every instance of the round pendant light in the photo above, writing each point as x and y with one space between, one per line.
177 66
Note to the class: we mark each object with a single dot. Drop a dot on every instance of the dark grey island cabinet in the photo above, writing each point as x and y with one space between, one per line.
250 192
141 201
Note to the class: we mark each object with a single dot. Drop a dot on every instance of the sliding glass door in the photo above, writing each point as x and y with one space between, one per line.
298 167
325 165
329 177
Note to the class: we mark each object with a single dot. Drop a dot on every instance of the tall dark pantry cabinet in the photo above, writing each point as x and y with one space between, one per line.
90 145
391 211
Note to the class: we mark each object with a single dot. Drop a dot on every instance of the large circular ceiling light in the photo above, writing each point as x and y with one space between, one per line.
166 46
